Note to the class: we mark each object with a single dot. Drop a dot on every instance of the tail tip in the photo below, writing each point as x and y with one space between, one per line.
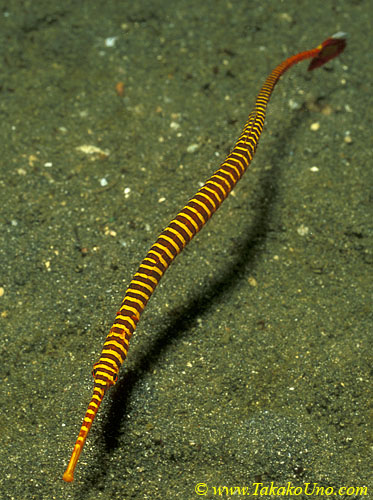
68 476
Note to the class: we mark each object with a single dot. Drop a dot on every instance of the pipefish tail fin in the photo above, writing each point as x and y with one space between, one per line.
98 394
329 49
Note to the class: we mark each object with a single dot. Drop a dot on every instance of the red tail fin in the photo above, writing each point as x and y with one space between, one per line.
329 49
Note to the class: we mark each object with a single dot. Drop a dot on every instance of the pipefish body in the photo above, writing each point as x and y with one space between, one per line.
187 223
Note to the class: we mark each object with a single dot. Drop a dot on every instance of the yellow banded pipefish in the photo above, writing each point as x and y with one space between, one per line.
187 223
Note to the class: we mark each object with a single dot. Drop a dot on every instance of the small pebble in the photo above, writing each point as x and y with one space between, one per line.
347 138
119 89
302 230
192 148
89 149
32 159
109 232
252 281
294 104
174 125
110 41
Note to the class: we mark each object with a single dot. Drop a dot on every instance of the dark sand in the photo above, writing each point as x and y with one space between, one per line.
251 362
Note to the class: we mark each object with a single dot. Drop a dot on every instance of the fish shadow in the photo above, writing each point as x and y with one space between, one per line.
185 318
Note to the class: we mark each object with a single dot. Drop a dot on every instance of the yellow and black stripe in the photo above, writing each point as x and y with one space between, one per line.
187 223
